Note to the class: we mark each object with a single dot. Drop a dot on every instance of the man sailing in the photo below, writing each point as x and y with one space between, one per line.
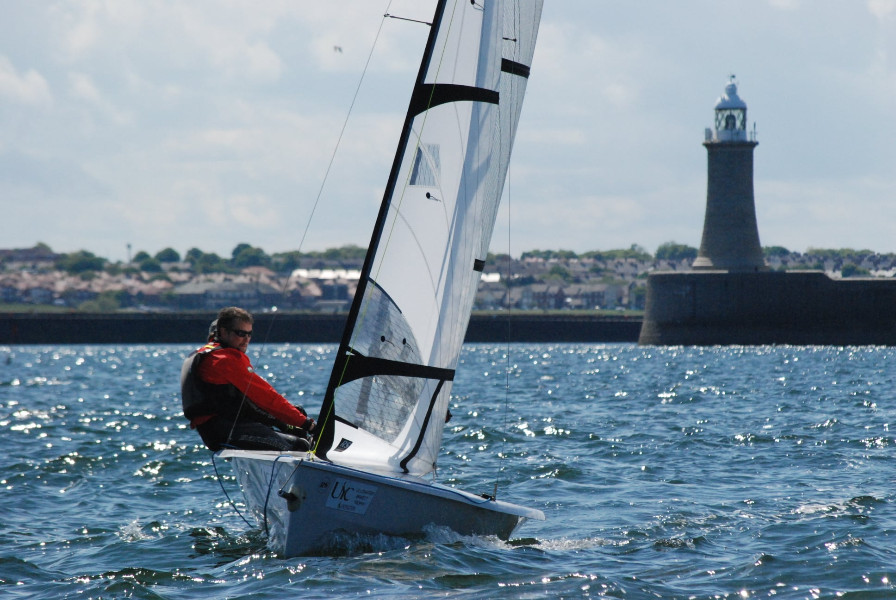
228 403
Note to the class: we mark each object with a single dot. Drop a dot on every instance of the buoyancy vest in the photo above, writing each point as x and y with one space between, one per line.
200 398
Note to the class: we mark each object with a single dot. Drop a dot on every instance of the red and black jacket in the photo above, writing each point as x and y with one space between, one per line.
219 381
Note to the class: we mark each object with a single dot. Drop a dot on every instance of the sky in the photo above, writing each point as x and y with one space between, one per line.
130 125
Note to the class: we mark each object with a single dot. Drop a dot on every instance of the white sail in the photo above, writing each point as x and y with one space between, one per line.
388 395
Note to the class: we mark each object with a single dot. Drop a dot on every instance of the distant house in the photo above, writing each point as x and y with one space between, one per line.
491 295
593 295
304 294
9 293
247 295
28 258
335 296
327 274
77 296
547 296
334 290
212 295
178 266
39 295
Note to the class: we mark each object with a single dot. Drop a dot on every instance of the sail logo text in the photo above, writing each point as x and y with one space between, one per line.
350 496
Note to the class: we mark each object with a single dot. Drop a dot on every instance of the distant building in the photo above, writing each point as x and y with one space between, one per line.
211 295
24 258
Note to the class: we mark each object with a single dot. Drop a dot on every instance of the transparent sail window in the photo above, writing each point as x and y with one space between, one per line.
426 166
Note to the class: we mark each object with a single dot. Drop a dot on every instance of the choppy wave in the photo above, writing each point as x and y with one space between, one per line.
663 472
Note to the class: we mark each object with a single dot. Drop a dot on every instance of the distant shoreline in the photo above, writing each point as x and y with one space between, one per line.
191 328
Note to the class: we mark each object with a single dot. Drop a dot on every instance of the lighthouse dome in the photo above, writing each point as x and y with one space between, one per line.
730 99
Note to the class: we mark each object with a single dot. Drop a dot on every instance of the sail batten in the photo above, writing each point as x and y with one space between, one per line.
515 68
365 366
393 373
428 96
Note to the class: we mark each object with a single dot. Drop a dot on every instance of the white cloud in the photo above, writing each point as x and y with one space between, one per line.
250 212
82 87
882 9
81 30
552 137
785 4
827 212
28 88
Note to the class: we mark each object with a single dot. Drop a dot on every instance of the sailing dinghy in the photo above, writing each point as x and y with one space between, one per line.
383 413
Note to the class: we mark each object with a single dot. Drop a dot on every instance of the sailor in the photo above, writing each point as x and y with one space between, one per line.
228 403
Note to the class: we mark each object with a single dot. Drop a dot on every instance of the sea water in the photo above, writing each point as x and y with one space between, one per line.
744 472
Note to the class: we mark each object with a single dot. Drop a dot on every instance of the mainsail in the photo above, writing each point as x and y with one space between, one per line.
385 405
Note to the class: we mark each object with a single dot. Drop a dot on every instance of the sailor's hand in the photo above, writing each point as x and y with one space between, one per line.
309 425
292 430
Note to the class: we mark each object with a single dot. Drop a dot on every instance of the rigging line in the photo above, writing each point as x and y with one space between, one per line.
283 487
507 364
285 286
267 496
236 417
341 133
326 176
223 489
509 273
388 16
245 392
320 426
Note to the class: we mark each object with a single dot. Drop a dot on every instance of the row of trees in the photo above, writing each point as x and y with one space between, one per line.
675 252
246 255
243 255
667 251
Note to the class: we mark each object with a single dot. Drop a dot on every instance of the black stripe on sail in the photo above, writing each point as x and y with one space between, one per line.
478 265
428 95
515 68
359 366
432 402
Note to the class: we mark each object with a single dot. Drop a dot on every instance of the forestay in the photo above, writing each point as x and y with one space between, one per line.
388 394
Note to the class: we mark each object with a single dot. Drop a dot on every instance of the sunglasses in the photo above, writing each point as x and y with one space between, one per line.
241 332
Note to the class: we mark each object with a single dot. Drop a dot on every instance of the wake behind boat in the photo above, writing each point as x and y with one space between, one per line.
384 411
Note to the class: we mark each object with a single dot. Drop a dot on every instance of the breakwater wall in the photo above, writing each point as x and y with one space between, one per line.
191 328
795 307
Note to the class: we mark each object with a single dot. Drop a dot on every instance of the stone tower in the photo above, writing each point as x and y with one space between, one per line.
730 235
730 296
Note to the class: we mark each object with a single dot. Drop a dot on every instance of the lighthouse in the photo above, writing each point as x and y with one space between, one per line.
730 239
730 296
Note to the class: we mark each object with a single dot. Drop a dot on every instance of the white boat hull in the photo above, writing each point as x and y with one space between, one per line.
306 503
